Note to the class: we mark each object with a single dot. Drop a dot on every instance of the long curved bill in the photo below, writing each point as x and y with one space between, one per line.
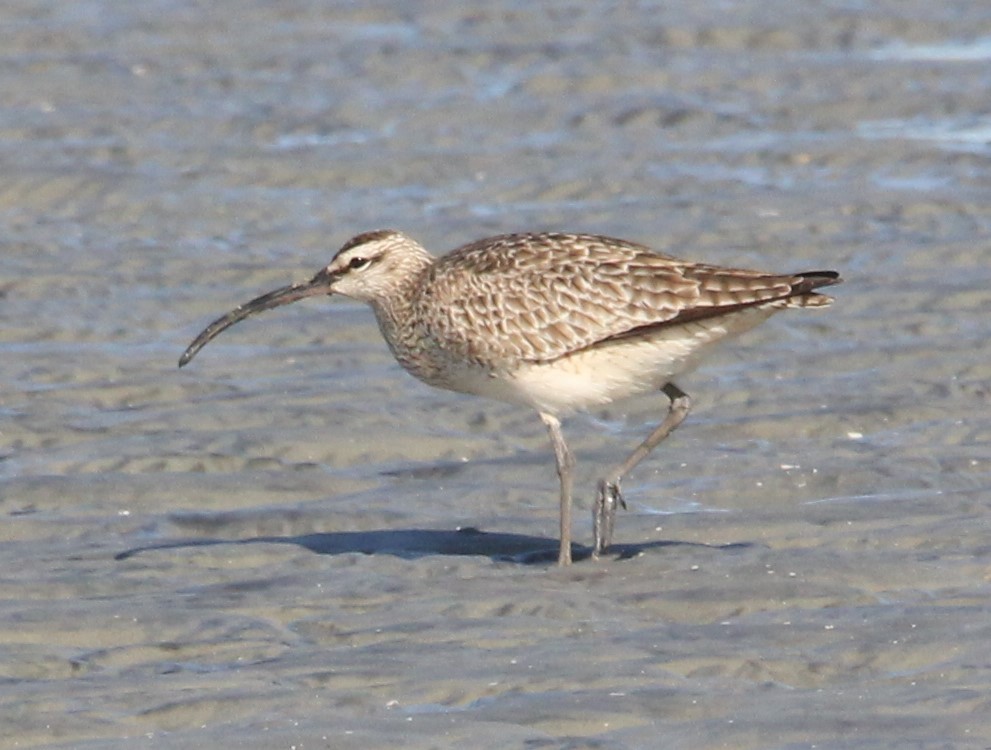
319 284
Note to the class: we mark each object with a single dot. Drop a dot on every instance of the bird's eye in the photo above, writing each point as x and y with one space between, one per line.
357 263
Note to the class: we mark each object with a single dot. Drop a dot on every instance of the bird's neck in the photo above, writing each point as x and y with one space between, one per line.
396 311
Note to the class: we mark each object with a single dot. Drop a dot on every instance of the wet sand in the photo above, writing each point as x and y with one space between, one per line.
292 544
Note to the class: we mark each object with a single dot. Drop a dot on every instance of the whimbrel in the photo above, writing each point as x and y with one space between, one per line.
557 322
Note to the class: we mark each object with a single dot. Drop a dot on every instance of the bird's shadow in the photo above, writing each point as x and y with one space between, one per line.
412 543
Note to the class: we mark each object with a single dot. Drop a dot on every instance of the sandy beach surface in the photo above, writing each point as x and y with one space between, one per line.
293 544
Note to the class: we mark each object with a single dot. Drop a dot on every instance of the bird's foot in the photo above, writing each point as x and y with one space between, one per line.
607 498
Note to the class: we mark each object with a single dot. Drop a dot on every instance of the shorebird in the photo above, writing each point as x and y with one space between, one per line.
556 322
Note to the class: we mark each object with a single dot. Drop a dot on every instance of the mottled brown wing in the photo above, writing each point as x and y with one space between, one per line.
538 297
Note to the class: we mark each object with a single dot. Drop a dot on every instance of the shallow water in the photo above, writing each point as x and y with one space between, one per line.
291 543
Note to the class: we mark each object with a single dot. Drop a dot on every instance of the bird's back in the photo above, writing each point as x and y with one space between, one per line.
534 298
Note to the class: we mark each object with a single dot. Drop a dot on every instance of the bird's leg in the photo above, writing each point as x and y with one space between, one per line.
608 495
565 463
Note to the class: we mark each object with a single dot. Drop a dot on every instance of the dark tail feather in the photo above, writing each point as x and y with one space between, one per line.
809 280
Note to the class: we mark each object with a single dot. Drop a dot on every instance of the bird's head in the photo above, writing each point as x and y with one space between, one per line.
370 267
374 265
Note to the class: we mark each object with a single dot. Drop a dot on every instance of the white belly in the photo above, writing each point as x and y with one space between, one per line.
607 372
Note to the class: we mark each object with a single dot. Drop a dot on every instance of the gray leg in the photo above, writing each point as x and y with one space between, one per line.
565 463
608 495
